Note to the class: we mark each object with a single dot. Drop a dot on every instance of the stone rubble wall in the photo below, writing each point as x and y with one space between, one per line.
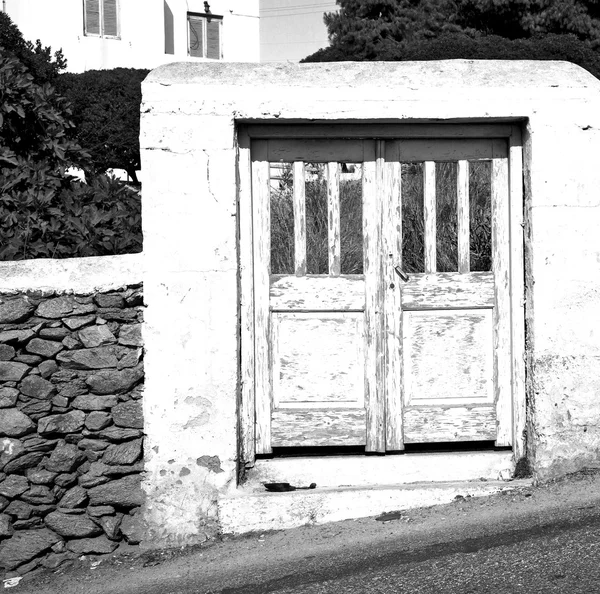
71 425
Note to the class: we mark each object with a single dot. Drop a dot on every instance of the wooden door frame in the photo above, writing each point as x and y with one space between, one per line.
510 132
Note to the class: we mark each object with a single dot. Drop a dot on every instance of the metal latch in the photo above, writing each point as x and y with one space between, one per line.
401 273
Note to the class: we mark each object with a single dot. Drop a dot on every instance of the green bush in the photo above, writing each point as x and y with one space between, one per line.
102 218
492 47
39 60
460 46
392 29
106 114
43 211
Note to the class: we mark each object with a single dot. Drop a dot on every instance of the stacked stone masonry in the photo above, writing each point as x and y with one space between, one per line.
71 426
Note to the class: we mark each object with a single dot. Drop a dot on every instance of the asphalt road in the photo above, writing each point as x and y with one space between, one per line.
534 540
562 558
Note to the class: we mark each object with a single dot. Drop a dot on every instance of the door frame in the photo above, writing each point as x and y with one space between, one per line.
510 132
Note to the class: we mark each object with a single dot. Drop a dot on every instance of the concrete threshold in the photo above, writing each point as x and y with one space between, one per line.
360 486
371 471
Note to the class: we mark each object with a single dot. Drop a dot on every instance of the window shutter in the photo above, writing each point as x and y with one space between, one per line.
213 40
196 37
92 17
109 24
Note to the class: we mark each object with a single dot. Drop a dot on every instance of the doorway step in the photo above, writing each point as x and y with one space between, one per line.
360 486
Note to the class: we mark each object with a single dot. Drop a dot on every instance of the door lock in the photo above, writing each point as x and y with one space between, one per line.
401 274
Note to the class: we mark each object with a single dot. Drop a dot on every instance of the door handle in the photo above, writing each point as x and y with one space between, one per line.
401 273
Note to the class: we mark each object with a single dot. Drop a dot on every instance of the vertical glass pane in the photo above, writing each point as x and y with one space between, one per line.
413 230
282 218
480 212
351 218
317 256
446 217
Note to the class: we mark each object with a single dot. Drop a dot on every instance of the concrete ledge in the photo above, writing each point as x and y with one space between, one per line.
252 511
72 275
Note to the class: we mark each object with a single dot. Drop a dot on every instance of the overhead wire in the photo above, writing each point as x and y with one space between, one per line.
279 13
295 6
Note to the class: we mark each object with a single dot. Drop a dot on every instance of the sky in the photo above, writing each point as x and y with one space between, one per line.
292 29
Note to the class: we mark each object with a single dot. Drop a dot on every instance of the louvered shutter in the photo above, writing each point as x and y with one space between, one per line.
92 17
109 20
196 37
213 38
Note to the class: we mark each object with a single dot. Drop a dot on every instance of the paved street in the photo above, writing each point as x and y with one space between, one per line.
544 539
557 559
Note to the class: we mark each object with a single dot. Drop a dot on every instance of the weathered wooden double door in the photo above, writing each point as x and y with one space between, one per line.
381 292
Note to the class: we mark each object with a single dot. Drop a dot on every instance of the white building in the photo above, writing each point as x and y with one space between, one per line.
98 34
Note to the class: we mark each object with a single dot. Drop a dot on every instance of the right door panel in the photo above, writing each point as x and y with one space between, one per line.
447 310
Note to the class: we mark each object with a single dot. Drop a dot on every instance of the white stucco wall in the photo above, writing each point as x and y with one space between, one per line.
141 43
189 117
240 42
142 31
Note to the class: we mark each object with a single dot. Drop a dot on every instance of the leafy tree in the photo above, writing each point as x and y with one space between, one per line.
368 27
490 47
43 211
382 29
39 60
517 19
106 113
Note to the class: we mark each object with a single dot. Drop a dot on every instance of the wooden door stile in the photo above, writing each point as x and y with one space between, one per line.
299 219
374 302
262 267
517 285
247 339
502 317
392 254
462 202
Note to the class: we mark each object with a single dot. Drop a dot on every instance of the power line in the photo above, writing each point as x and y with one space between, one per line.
319 8
294 6
292 14
290 42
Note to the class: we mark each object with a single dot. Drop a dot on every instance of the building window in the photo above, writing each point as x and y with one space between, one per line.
101 18
204 36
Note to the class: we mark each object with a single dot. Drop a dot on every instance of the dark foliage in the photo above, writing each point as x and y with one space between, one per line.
469 29
454 46
39 60
43 211
106 113
369 24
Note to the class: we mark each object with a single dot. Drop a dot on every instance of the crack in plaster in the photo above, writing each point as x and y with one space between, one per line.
208 177
165 150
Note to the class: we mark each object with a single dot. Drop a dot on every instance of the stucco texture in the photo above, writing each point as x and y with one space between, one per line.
188 140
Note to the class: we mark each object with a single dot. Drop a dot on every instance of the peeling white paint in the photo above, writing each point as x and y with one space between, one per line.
190 232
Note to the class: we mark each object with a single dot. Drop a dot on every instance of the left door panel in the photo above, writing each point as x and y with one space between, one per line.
313 377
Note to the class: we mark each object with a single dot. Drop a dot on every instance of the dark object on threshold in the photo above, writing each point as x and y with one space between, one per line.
281 487
389 516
